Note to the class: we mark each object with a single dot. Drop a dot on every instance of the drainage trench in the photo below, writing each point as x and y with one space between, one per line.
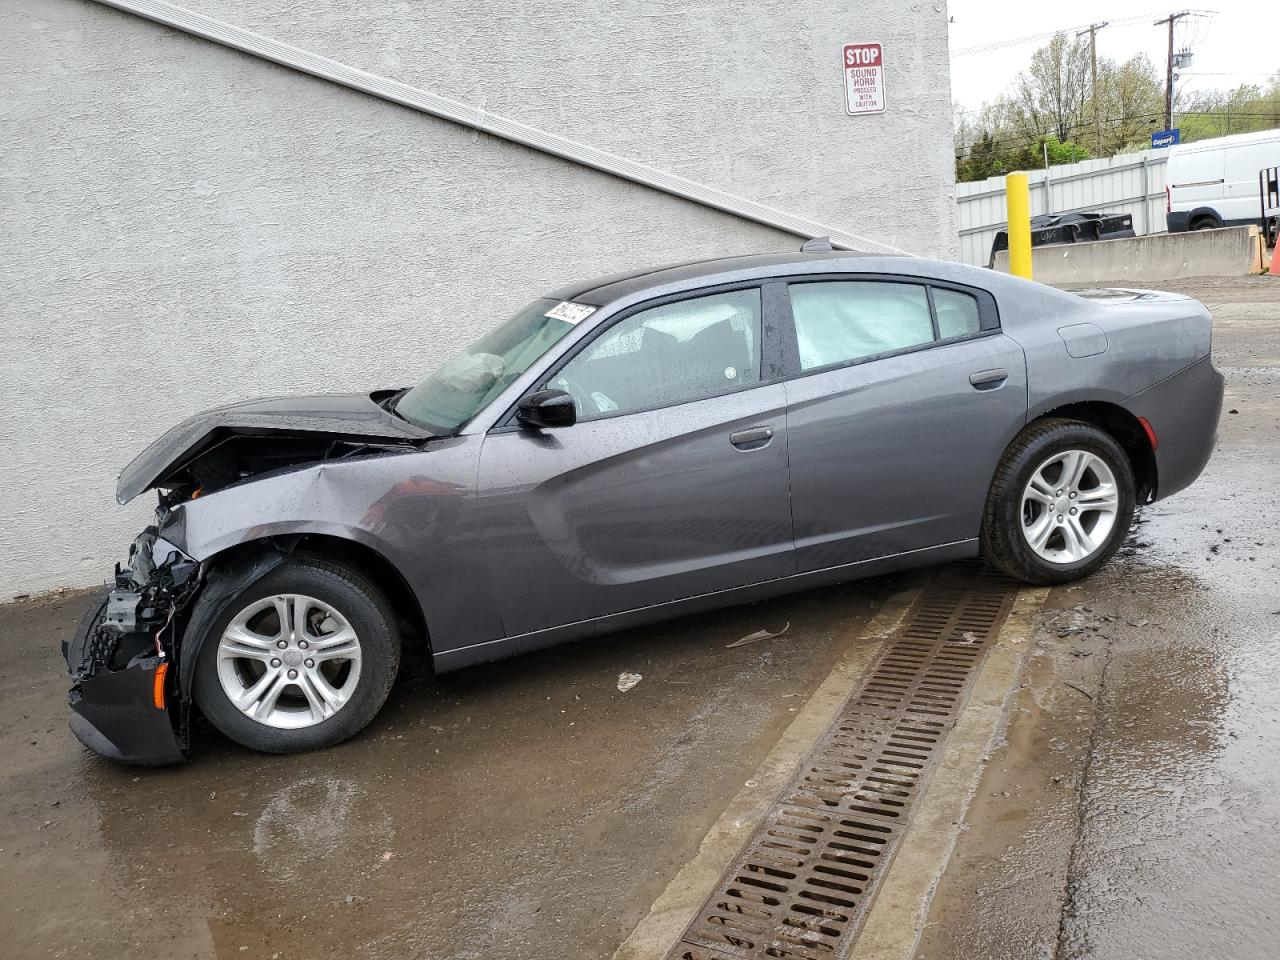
803 885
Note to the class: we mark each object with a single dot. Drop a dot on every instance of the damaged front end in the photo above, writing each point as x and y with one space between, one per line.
132 660
124 694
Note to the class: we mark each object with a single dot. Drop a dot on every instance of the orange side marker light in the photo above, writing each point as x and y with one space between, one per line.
158 691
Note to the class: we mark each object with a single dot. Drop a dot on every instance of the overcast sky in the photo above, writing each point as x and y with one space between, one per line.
1236 44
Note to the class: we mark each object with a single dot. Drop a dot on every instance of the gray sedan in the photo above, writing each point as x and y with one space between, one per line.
629 449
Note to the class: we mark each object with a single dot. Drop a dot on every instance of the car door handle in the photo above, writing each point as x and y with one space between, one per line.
753 438
989 379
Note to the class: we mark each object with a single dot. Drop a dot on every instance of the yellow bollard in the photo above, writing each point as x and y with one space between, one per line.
1018 202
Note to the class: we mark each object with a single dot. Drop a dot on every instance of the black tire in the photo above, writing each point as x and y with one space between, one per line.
369 614
1205 223
79 642
1003 541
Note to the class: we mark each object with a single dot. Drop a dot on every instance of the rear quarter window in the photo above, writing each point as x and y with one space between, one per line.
958 314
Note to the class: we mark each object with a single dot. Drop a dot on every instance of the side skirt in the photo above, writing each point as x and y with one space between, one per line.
526 642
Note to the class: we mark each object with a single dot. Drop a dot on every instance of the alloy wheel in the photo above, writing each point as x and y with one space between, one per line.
289 661
1069 506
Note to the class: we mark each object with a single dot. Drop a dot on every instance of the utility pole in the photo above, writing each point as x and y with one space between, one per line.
1092 31
1171 19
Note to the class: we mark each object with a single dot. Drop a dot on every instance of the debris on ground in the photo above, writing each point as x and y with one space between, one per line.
759 635
1079 690
628 680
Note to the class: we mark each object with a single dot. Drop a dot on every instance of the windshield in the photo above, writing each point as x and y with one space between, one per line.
462 387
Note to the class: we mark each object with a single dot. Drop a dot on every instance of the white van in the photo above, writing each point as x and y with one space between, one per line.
1214 183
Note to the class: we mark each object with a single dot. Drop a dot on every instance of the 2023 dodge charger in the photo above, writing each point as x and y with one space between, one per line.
626 450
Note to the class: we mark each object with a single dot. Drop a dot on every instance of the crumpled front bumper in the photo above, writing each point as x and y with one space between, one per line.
124 698
113 714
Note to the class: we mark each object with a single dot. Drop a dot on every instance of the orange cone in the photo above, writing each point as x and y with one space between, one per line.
1275 260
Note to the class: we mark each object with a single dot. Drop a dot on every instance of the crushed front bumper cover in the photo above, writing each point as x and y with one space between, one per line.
124 697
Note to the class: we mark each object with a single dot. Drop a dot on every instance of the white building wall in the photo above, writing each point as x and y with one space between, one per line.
186 225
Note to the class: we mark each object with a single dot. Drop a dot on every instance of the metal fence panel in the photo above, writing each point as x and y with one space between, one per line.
1130 183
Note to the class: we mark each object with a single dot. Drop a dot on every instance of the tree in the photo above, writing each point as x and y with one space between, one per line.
1219 113
1050 95
1059 152
1129 101
981 161
1051 102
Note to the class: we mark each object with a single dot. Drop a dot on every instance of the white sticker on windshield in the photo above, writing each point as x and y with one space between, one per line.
570 312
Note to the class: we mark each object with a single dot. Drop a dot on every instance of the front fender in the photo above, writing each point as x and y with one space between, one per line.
220 585
417 510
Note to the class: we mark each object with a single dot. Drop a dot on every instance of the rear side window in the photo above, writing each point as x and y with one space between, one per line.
841 321
675 353
957 313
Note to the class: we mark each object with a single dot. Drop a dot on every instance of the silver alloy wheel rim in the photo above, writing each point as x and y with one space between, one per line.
1069 507
289 661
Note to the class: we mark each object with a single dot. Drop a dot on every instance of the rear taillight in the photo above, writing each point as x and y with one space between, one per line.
1168 199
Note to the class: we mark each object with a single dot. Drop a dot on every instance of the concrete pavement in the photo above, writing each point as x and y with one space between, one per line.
525 808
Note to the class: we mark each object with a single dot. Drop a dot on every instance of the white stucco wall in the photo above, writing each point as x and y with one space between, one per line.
186 225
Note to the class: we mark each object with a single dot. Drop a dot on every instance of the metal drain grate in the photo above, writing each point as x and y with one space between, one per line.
802 886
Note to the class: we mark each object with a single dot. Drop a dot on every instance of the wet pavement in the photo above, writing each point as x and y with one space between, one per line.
530 808
526 808
1134 810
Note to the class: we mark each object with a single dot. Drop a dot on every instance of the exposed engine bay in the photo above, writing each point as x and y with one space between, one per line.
241 456
226 445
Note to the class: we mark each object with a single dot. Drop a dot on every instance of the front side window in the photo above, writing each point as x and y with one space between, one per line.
842 321
675 353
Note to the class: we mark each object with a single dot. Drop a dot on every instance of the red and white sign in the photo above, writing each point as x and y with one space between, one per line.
863 78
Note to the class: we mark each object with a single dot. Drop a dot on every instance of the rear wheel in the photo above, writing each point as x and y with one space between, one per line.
1205 223
303 658
1060 504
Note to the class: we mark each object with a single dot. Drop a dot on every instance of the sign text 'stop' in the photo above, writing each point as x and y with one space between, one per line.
863 78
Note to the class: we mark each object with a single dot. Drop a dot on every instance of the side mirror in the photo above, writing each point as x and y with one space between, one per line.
547 408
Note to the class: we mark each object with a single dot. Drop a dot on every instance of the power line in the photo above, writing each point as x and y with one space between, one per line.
1027 139
1227 73
1046 35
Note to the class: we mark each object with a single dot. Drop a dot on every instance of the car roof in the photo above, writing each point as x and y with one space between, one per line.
602 290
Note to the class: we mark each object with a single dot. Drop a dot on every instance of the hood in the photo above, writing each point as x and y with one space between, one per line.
308 422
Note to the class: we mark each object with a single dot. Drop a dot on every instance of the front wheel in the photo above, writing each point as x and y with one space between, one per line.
1060 503
303 658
